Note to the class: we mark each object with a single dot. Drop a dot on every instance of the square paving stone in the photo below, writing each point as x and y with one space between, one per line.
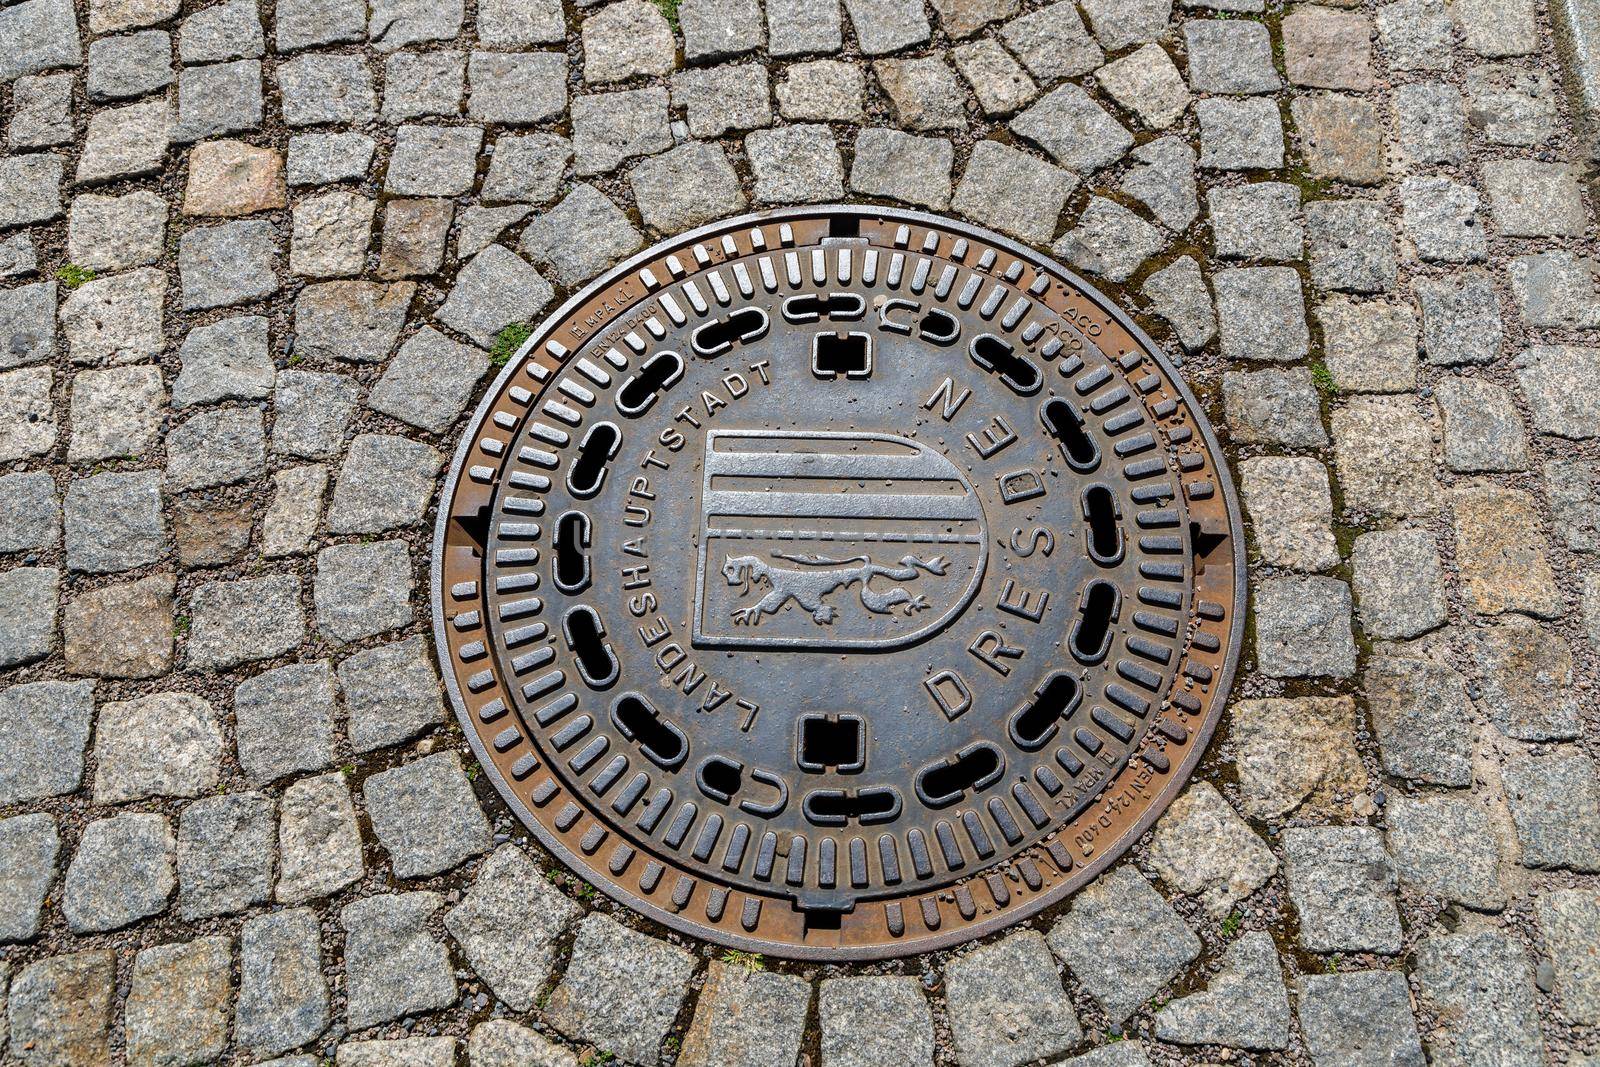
690 185
295 512
18 255
229 30
391 691
227 360
283 720
30 512
1479 989
1297 755
796 27
48 724
508 924
1556 289
1359 1019
1119 23
427 818
1496 27
312 412
963 18
1511 105
129 65
622 989
1383 456
746 1018
1569 920
1461 321
1342 883
30 188
29 845
1261 220
610 128
1430 122
1053 42
1416 35
121 873
1440 217
503 1043
1005 1003
1303 628
719 100
624 39
526 168
320 158
1262 313
121 631
116 412
1240 134
1422 719
117 232
210 534
1369 347
497 288
60 1007
824 90
717 29
1165 183
398 1052
28 614
396 23
923 93
1351 243
162 745
41 34
1244 1005
231 178
1574 494
516 88
319 841
125 141
1012 191
1502 568
1554 379
41 111
884 26
1109 240
418 84
331 233
1446 846
1341 136
1003 87
385 483
874 1020
1482 429
244 621
363 589
1290 509
115 319
1177 293
283 997
903 167
324 88
1399 583
27 324
216 448
225 849
429 381
178 1002
1077 132
433 160
1556 807
1533 199
1328 49
217 99
1230 56
354 321
1527 680
308 23
393 966
608 235
114 522
229 264
1202 847
414 235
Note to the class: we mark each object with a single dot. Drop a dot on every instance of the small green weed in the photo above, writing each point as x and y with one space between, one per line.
1231 924
180 625
1332 963
750 961
598 1058
507 341
669 8
1322 377
72 275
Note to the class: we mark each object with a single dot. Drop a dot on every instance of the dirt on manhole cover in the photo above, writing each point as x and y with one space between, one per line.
838 583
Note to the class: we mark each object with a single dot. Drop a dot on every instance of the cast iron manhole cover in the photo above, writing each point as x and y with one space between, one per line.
838 583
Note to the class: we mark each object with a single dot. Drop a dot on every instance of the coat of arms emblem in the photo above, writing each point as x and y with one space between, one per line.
820 540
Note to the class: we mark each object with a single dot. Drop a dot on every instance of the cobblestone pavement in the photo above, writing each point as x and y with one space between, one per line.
257 261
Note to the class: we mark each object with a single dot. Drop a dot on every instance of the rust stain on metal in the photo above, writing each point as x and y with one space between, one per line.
838 583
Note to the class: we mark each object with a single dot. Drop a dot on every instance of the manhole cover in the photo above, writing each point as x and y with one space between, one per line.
838 583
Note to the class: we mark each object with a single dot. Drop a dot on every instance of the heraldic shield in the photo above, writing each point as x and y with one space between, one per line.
822 541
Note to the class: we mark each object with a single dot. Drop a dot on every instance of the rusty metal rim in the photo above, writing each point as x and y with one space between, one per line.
973 931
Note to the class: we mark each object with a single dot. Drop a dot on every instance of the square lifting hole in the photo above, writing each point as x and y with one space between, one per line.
849 354
836 742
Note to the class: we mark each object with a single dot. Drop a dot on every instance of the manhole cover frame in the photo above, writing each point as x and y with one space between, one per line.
1068 879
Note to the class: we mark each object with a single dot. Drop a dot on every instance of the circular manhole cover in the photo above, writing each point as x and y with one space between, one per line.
838 583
